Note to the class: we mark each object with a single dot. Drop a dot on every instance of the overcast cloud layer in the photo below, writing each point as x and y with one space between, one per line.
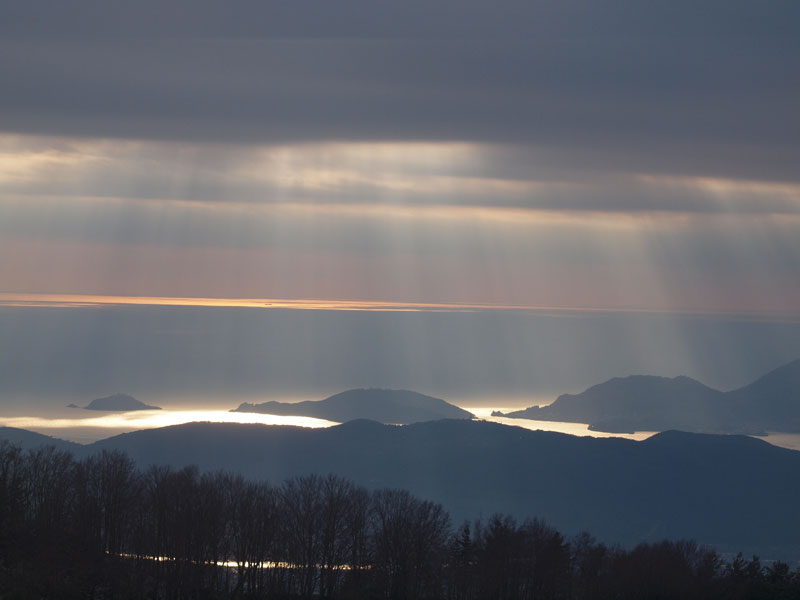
613 155
659 87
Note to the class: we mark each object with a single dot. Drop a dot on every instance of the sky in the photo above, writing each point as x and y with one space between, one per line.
468 198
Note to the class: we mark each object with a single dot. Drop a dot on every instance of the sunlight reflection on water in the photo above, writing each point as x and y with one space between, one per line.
87 427
580 429
784 440
93 428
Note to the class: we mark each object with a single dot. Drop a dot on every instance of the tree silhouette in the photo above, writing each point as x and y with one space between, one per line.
99 528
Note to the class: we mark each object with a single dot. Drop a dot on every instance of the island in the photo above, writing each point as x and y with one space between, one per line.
116 403
392 407
650 403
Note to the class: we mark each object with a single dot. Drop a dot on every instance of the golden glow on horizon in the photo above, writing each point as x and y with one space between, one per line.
450 224
21 299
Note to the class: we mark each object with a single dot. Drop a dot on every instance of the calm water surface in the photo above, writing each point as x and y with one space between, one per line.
86 426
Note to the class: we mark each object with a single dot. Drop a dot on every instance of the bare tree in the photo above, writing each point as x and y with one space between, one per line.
301 505
410 537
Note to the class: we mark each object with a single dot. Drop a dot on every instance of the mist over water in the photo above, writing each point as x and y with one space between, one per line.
219 357
85 427
198 363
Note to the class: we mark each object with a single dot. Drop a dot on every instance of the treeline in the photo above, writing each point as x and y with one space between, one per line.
100 528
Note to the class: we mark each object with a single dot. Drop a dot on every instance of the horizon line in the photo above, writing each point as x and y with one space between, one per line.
69 300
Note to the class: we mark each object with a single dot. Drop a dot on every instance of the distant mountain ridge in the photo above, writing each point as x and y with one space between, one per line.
30 440
399 407
649 403
734 492
117 402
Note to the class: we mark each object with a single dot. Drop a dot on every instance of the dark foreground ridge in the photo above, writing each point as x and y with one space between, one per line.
398 407
732 492
649 403
30 440
102 528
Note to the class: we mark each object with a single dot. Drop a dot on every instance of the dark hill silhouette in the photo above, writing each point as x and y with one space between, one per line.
731 491
119 403
29 440
635 403
648 403
386 406
772 401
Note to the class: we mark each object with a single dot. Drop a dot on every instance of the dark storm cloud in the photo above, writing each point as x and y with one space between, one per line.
661 87
413 18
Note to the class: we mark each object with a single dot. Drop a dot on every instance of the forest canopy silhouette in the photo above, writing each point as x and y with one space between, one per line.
100 528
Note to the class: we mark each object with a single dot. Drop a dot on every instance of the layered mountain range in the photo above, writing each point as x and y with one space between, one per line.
649 403
734 492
